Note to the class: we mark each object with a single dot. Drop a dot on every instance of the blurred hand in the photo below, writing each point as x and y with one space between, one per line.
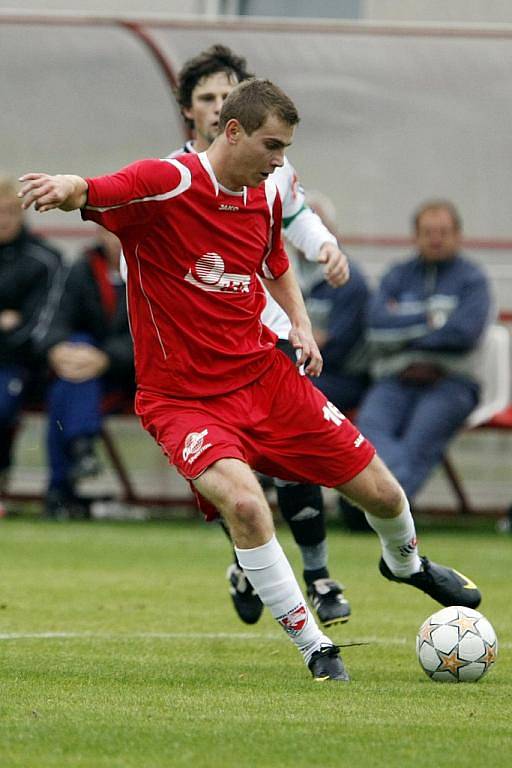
336 269
77 362
9 320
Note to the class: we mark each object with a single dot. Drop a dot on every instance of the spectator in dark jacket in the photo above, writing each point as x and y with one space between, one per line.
30 283
426 321
89 349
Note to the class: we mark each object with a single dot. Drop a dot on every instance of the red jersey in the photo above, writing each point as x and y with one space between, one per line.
193 251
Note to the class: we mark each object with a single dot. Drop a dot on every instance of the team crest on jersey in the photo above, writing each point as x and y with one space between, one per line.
295 620
195 445
209 275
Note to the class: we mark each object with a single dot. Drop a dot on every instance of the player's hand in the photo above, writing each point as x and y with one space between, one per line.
336 269
46 192
309 359
77 362
9 320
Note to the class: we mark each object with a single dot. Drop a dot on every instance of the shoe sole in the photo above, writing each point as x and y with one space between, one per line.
328 679
332 622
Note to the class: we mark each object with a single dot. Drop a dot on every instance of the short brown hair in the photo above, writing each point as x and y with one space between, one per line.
437 205
252 101
217 58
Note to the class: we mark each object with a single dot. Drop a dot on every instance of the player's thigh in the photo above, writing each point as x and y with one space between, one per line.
231 486
375 489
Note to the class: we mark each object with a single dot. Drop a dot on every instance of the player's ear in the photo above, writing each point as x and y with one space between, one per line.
187 113
233 131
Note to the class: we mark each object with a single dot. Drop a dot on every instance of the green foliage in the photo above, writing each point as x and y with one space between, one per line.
146 665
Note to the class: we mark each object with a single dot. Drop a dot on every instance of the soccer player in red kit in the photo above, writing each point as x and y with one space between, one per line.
212 389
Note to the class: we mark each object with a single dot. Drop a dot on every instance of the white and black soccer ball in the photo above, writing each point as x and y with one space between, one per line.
456 645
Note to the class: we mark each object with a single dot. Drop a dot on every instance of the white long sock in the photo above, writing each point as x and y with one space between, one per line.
271 575
398 540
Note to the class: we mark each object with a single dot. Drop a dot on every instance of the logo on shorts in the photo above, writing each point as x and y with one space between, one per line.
195 445
359 439
295 620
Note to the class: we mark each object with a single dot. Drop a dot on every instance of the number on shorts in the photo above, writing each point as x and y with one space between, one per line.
331 413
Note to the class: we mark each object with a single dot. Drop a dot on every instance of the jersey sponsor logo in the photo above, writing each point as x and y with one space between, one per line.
226 207
195 445
295 620
209 275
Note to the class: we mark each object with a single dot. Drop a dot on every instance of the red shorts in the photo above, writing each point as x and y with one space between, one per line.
280 425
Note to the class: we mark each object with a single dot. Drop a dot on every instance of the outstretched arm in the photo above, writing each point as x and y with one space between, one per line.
46 192
286 292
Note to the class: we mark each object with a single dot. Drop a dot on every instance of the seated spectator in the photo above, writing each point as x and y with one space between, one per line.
338 317
426 320
30 283
89 350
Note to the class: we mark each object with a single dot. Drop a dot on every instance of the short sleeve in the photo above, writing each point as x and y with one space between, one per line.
131 196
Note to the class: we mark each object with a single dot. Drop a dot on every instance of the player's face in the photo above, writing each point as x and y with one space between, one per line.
11 218
207 99
437 237
262 151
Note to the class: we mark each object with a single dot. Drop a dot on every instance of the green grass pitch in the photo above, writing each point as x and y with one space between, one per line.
119 648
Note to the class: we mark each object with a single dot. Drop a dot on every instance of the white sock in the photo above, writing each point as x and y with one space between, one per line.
270 573
398 540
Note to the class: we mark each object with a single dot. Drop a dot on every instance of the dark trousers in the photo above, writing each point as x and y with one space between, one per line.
12 388
411 424
74 410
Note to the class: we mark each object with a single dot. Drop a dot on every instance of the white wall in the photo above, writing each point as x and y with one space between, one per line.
402 10
484 11
148 7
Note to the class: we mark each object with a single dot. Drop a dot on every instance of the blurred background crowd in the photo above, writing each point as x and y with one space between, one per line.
403 153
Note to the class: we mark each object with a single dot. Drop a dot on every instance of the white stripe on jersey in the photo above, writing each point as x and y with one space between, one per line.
186 181
149 303
270 193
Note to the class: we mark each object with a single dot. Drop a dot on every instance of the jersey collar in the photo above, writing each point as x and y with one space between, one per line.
205 162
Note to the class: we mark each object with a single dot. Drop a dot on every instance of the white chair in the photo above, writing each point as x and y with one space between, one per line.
495 375
493 366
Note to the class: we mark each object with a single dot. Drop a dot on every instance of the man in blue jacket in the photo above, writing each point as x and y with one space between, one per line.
426 321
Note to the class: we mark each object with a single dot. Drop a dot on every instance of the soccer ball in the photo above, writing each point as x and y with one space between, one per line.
456 645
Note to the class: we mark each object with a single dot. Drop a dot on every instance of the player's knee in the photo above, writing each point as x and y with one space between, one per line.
248 508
